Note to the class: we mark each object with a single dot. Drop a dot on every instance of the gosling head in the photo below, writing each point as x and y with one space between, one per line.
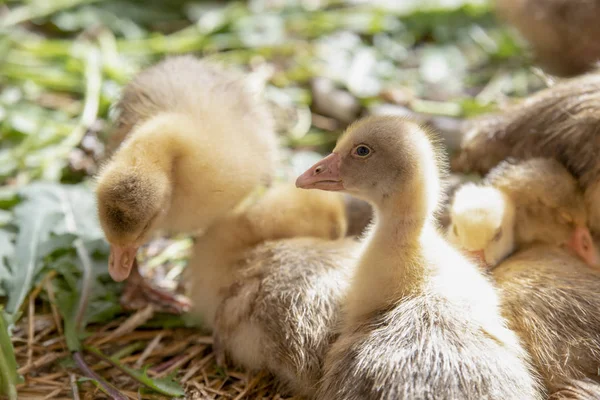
384 160
130 206
483 223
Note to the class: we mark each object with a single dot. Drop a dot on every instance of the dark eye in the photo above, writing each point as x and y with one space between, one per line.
362 150
498 235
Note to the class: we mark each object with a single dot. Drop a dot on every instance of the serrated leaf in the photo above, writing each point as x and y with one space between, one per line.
35 220
50 218
79 208
103 309
103 300
67 303
55 243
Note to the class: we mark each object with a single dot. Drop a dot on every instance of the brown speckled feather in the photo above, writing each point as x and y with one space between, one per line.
562 122
548 198
563 33
580 389
290 292
552 300
182 83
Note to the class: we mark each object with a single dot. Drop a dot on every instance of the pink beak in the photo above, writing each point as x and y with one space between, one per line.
121 261
583 245
324 175
479 256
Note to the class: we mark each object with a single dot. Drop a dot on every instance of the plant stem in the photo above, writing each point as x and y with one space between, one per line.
141 377
107 387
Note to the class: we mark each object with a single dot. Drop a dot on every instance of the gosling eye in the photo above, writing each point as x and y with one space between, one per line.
362 151
455 230
498 235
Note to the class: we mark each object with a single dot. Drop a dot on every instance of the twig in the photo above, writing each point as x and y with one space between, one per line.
53 393
200 364
30 328
130 324
74 387
44 380
55 313
179 344
136 335
190 353
54 376
99 333
107 387
217 391
146 353
205 340
44 360
37 338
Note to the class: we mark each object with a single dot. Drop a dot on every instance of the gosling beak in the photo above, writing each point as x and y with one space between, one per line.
121 261
324 175
582 244
479 257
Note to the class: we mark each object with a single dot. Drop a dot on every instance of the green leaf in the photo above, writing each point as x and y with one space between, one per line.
7 249
67 305
78 206
471 108
170 321
8 197
9 376
56 243
103 309
167 386
51 217
103 385
35 219
103 299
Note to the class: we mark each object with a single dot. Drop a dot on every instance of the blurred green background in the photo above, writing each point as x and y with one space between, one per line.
64 61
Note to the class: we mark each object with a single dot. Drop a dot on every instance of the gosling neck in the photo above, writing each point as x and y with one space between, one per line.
403 215
158 141
150 155
391 266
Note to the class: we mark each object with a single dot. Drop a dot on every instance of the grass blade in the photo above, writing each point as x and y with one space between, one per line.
164 386
105 386
9 377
